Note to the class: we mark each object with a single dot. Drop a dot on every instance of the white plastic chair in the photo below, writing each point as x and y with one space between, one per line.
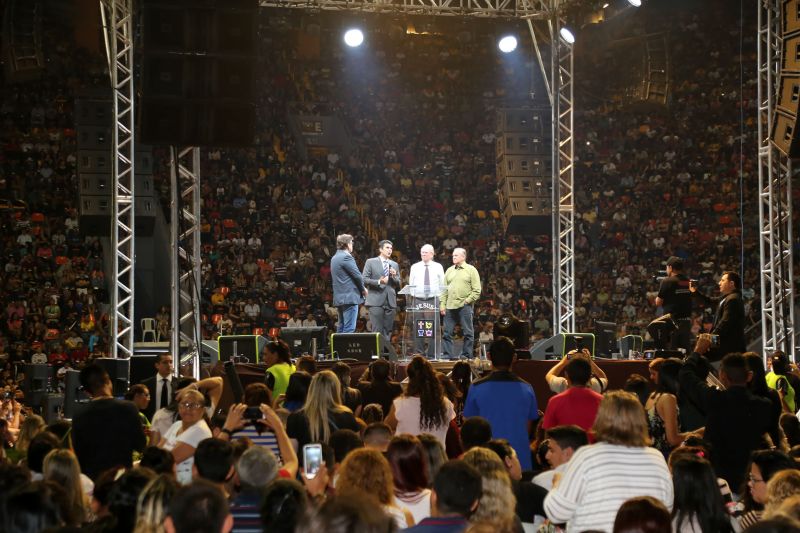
149 326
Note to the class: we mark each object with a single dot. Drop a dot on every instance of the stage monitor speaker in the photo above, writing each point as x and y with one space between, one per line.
606 336
119 370
74 396
630 343
300 340
52 407
245 348
37 381
359 346
556 346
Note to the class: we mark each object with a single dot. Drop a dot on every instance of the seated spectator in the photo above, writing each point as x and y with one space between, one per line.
497 502
638 385
423 407
29 428
184 435
476 431
322 410
662 409
562 443
529 496
200 506
41 445
368 470
257 468
371 413
124 495
455 495
36 506
379 389
435 455
602 476
153 502
698 503
790 425
410 475
140 396
597 381
296 391
642 515
158 460
350 397
213 461
283 506
61 467
783 485
578 404
350 510
764 464
343 441
377 436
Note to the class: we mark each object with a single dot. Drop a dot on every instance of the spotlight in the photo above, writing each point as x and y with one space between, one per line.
567 35
353 37
635 3
507 44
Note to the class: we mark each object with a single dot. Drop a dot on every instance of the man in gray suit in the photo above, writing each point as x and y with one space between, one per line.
348 286
381 276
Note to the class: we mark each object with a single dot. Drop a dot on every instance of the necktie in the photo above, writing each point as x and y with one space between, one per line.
385 269
164 401
427 282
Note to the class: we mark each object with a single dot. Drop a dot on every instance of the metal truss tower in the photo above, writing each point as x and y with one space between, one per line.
117 18
774 192
185 255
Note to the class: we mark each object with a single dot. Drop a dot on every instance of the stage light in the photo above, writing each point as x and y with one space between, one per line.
507 44
635 3
353 37
567 35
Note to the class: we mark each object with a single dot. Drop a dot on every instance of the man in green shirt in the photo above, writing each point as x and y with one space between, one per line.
462 288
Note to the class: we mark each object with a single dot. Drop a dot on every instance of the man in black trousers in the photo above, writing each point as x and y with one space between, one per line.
728 319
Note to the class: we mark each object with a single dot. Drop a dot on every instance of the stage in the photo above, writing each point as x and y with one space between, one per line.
531 371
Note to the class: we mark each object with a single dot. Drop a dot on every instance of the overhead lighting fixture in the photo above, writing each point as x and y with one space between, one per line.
567 35
507 44
605 5
353 37
635 3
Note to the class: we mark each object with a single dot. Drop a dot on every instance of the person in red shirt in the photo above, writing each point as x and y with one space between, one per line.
578 404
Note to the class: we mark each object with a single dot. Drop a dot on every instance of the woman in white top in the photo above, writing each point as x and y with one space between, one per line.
410 473
367 470
165 417
184 435
423 408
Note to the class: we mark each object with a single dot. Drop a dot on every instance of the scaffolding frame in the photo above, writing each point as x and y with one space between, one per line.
774 193
117 17
185 260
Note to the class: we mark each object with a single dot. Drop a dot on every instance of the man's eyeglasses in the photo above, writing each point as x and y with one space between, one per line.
190 405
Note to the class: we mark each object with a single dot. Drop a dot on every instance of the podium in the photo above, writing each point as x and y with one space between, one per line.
422 326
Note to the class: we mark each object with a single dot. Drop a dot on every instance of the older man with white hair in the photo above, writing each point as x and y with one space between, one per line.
427 278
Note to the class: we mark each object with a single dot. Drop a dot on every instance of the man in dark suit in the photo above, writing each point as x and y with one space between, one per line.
729 318
106 431
160 386
736 419
381 276
348 285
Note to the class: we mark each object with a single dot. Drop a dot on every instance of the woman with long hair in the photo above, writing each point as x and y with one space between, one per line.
410 473
296 392
423 408
662 409
153 504
498 503
435 455
621 465
61 467
758 386
278 359
368 470
29 428
184 435
322 414
698 506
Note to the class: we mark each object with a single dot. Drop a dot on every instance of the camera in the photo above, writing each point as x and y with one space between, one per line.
253 413
714 340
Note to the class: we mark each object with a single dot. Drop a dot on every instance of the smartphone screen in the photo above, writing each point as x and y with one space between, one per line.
312 459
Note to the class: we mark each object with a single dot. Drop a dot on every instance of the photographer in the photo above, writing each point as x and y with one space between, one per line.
675 298
728 326
598 381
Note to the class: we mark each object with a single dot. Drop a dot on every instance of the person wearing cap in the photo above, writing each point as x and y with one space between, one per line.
675 298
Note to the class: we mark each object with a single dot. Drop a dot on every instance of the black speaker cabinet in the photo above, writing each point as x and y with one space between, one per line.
360 346
630 343
119 370
36 383
556 346
52 406
246 348
74 397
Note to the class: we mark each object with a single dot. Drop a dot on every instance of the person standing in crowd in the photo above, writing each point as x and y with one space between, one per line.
729 318
348 284
161 387
505 400
736 419
382 279
777 379
427 278
675 298
461 290
278 359
107 431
